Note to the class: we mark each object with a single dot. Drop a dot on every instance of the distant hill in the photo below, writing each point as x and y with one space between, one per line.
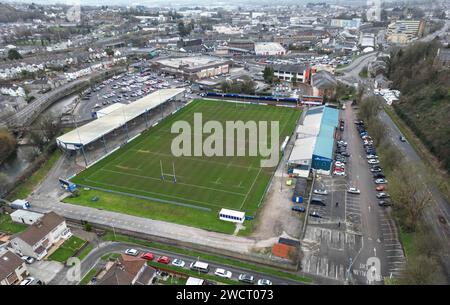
425 101
10 14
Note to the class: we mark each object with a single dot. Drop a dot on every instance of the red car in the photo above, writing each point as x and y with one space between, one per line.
380 188
148 256
163 260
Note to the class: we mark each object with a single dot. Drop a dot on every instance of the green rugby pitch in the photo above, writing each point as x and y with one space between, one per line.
206 183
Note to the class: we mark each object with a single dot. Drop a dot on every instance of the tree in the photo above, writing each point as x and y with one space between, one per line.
409 196
392 157
109 51
3 183
268 74
13 54
8 144
421 270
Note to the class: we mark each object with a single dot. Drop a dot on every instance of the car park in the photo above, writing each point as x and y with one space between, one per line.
246 278
298 208
223 273
178 263
380 181
163 260
353 190
320 192
131 252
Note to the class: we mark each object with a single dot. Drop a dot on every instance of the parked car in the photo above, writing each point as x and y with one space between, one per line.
298 208
353 190
223 273
343 143
246 278
320 192
402 138
315 214
373 161
264 282
346 154
28 281
380 181
380 188
375 169
379 175
148 256
163 260
131 252
382 195
372 157
384 203
339 164
317 201
338 173
27 259
178 263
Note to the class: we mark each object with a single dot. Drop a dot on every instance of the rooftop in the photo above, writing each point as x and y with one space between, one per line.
94 130
40 229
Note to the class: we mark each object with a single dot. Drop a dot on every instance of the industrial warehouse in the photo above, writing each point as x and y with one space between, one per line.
314 142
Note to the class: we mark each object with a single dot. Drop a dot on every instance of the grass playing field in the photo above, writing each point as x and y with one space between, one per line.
207 183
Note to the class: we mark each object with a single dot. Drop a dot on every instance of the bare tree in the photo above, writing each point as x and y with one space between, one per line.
411 198
422 270
392 157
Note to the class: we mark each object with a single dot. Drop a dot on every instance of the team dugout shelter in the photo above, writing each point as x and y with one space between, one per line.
120 119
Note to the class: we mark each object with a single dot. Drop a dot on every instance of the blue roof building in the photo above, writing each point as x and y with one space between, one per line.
322 158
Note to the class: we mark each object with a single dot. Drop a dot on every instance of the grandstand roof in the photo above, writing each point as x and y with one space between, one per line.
96 129
302 150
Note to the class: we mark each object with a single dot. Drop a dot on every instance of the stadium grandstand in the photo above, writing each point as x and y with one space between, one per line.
118 120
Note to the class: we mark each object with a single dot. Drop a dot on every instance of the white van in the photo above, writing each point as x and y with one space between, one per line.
200 266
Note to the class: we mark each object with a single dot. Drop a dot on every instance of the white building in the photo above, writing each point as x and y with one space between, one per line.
232 215
269 49
26 217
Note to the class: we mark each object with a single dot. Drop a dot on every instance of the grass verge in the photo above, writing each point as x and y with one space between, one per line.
10 227
88 277
210 257
85 252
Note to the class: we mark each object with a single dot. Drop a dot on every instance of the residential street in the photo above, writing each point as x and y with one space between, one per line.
94 258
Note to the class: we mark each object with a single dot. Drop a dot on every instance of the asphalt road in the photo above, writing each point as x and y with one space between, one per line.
351 72
115 247
439 207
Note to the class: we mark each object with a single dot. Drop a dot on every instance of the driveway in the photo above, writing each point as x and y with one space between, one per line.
45 270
